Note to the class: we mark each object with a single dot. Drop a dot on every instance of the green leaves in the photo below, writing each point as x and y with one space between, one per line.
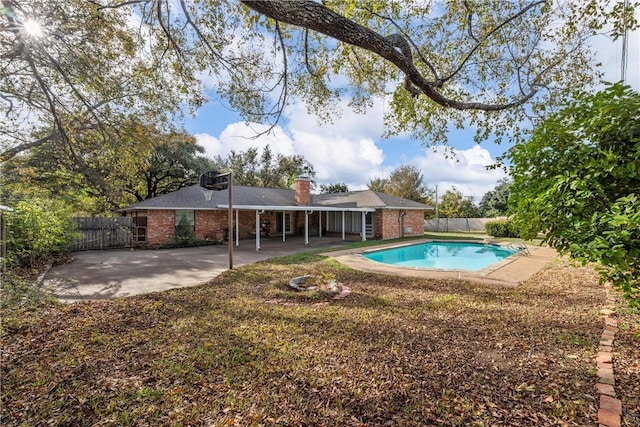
38 228
577 180
405 181
263 170
470 64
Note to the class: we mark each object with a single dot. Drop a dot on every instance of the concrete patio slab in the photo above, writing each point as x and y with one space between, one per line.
125 272
120 273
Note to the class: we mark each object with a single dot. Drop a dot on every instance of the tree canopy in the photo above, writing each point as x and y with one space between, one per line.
454 205
405 181
377 184
97 175
336 187
578 181
71 65
494 202
257 169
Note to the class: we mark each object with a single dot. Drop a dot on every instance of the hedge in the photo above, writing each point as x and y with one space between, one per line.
501 228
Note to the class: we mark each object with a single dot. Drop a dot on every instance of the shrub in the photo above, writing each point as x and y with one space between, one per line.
501 228
38 229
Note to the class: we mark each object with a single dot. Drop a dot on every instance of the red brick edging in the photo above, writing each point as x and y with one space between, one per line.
610 408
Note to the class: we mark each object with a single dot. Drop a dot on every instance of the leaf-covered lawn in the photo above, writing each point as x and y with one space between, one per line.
627 366
244 350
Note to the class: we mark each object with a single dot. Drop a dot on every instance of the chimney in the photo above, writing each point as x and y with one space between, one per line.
302 186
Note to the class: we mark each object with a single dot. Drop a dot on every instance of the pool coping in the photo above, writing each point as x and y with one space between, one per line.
509 272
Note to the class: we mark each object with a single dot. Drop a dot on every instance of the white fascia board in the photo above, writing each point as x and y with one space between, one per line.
406 208
296 208
169 208
256 208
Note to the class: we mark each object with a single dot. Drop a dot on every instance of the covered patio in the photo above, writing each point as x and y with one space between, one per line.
341 221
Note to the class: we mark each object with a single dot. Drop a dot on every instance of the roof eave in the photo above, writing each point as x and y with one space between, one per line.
253 208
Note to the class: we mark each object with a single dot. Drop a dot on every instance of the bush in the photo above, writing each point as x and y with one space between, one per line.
38 229
501 228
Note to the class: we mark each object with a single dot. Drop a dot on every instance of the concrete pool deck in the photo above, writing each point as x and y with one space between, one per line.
509 272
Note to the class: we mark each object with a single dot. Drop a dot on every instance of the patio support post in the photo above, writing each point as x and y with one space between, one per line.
230 219
284 223
306 226
327 220
343 235
237 227
258 230
319 224
363 232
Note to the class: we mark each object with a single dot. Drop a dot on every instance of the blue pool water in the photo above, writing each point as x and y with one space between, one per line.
442 255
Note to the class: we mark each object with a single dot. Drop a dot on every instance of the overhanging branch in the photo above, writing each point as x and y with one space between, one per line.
317 17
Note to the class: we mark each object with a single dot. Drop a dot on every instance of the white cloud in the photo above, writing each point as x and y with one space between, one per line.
210 143
350 123
342 151
240 136
340 159
610 53
467 171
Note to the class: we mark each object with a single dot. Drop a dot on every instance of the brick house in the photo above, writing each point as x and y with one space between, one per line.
195 212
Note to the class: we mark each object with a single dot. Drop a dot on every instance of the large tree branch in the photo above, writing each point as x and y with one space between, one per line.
13 151
316 17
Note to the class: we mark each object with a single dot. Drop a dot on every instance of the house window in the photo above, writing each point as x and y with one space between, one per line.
185 224
352 222
288 229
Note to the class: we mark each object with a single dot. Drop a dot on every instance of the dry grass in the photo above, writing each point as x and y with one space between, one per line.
245 350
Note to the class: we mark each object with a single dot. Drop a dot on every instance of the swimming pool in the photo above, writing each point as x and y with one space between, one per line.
442 255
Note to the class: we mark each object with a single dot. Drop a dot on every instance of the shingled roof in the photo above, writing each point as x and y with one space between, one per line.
244 197
366 198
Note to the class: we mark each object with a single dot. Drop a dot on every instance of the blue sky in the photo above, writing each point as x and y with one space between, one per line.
351 149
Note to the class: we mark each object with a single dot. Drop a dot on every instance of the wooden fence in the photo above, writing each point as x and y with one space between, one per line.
103 233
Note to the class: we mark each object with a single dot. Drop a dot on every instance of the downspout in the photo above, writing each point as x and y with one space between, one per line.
401 222
306 226
258 213
237 227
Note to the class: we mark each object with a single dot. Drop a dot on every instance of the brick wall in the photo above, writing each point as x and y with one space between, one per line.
160 226
415 221
247 223
390 226
376 220
313 219
208 224
212 224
